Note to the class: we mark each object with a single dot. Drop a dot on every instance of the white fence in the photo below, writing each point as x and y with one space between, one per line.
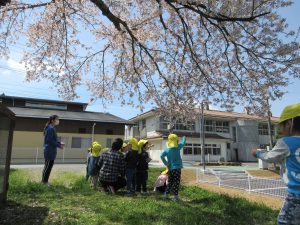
36 155
241 180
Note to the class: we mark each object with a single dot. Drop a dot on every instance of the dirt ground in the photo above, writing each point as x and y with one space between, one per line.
189 178
264 173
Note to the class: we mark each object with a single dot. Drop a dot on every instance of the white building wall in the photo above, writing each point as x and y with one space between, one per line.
264 139
228 154
152 123
156 150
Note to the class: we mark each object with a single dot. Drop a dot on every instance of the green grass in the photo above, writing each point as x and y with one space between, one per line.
70 200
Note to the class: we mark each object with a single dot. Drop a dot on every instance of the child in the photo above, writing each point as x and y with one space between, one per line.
131 159
112 168
286 152
92 163
174 164
124 148
161 182
142 167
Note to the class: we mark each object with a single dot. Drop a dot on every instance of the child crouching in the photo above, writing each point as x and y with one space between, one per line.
161 182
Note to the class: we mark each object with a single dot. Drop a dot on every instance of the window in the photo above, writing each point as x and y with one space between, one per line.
208 149
164 125
213 149
78 142
264 130
208 125
222 126
143 124
228 145
177 125
109 131
234 134
82 130
188 149
195 149
45 105
216 126
184 126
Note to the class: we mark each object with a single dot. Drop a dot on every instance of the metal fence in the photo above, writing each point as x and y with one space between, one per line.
243 181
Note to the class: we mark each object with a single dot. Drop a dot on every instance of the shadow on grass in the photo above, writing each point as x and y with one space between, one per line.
13 213
213 210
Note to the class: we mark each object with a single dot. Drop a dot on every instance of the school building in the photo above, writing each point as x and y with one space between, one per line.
229 136
77 128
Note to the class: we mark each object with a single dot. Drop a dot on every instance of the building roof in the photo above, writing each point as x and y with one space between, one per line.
3 96
237 115
68 115
6 112
165 133
213 113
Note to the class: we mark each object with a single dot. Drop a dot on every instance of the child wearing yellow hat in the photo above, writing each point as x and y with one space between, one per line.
124 148
92 163
174 164
161 182
142 167
287 152
131 159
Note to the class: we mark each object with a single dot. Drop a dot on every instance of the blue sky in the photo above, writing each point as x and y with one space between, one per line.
13 80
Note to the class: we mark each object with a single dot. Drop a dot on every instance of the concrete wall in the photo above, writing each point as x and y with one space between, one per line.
248 138
156 150
28 147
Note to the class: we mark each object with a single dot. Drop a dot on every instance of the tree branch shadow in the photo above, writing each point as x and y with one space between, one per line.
16 213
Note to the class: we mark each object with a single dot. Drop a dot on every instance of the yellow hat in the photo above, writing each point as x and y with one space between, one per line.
165 172
134 144
142 143
96 149
172 141
124 145
289 112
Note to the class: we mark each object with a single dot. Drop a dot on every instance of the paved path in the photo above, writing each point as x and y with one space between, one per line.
241 180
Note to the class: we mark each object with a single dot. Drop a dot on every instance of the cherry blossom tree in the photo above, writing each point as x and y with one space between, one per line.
175 53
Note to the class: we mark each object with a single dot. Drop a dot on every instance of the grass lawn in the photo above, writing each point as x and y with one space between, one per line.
70 200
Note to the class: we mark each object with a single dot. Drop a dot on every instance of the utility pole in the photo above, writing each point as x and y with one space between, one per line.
93 132
270 125
270 131
202 135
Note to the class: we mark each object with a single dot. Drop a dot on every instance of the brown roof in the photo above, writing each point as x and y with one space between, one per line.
214 113
236 115
165 133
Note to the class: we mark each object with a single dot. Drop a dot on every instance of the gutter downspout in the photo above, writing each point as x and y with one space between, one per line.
93 132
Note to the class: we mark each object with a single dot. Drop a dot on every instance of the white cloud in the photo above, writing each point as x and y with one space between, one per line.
16 65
